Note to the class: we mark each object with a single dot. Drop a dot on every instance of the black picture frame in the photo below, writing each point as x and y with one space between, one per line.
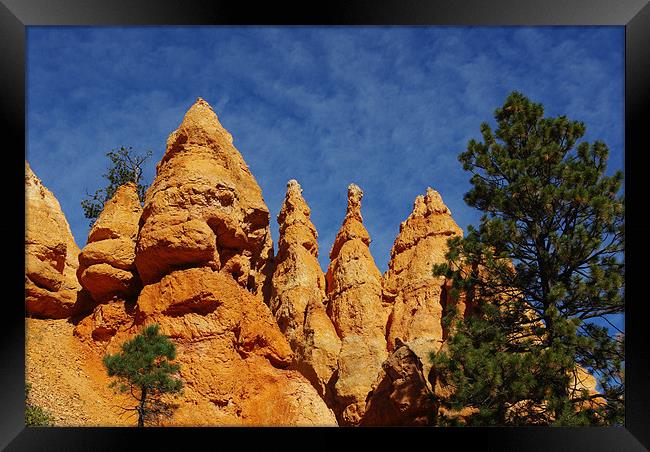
634 15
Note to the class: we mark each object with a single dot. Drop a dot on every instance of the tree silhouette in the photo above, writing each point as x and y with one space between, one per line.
126 166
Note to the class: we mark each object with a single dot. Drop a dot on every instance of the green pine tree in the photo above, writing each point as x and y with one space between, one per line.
144 370
125 166
545 262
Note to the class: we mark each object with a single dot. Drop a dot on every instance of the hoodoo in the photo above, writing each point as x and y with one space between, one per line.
107 262
355 307
418 297
298 294
51 254
204 208
204 253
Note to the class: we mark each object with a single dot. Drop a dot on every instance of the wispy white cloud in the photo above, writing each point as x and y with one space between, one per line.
388 108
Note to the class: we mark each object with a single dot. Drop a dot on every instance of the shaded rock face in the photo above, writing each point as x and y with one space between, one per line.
107 262
51 254
204 208
298 294
417 297
355 307
106 321
234 359
401 395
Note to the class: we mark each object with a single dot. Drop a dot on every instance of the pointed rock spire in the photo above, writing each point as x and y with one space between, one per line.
298 294
107 262
352 227
200 127
51 253
355 307
416 295
205 208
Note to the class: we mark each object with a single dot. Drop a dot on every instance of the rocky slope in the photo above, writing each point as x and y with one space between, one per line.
67 378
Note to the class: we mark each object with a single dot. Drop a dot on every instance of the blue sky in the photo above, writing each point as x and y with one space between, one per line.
388 108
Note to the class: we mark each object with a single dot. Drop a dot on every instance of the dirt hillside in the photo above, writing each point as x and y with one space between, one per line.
68 381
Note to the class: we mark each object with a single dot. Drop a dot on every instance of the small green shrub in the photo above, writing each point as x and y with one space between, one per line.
35 416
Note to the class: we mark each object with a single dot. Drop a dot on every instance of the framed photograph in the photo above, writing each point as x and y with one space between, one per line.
283 205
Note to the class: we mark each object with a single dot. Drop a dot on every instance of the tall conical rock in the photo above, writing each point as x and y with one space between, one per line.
298 294
355 307
204 208
418 297
107 262
51 254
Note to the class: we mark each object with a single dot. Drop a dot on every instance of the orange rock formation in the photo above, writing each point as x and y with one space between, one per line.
298 294
401 395
417 297
355 307
51 254
204 208
204 253
107 262
233 356
261 339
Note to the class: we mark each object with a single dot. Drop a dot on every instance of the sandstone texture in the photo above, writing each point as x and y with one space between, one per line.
298 294
234 359
51 254
418 298
107 262
106 321
204 208
355 307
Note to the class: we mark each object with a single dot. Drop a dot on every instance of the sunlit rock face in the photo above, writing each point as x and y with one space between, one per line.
298 294
355 307
107 262
417 297
235 361
205 208
51 254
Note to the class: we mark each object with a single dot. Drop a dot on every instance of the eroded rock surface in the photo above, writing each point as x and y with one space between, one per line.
204 208
51 254
234 359
355 307
418 298
107 262
298 294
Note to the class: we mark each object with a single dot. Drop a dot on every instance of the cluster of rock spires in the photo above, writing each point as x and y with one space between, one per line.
262 339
